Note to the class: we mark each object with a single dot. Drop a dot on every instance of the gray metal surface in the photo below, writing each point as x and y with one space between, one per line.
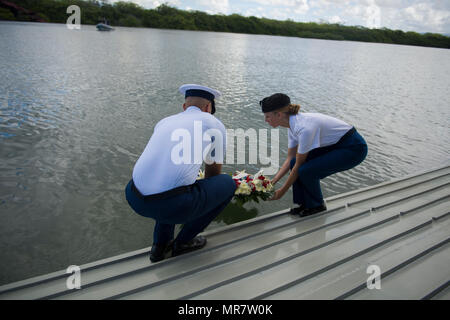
401 226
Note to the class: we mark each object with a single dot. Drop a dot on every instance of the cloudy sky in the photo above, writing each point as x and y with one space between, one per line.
406 15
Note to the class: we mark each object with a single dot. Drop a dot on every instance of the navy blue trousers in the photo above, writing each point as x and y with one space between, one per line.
347 153
195 209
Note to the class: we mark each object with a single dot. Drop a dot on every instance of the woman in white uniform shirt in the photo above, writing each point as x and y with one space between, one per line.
318 146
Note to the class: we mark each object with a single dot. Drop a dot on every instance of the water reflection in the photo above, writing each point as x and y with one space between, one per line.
235 212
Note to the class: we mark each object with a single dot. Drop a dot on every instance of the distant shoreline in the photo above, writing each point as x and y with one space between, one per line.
127 14
270 35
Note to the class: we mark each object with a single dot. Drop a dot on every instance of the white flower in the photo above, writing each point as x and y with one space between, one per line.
269 187
259 173
240 175
243 188
201 175
258 183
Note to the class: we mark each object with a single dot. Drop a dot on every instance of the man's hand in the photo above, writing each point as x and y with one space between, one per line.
212 170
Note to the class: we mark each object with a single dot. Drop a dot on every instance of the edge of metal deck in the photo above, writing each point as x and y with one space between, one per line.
365 200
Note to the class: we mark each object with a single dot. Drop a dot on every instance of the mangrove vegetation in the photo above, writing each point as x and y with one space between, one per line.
129 14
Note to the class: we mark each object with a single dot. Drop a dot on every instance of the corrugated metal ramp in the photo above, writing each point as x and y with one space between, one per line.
400 226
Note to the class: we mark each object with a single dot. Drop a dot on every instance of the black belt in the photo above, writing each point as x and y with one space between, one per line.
348 133
162 195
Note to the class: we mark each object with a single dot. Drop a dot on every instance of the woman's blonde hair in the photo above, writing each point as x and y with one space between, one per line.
290 109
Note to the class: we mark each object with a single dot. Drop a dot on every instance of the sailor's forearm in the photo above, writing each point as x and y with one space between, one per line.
282 172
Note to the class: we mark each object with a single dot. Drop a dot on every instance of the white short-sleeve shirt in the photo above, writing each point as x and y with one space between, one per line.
176 150
309 131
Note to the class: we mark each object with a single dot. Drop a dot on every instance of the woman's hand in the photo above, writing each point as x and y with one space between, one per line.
278 194
300 159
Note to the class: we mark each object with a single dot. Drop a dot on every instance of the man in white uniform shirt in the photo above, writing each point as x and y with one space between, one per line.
164 185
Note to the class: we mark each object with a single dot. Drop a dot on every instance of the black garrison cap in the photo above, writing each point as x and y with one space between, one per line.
274 102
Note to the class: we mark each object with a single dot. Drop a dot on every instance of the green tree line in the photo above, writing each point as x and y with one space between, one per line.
129 14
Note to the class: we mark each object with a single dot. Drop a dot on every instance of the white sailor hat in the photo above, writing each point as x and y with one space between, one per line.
195 90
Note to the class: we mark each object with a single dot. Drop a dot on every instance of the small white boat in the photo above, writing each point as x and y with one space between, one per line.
104 27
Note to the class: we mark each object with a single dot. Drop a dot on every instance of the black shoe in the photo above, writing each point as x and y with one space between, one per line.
195 244
309 211
159 252
297 210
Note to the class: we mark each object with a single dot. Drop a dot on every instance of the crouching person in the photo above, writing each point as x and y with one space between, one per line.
164 184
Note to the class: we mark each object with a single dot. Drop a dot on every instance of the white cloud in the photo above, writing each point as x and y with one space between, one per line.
301 7
335 19
256 12
372 15
279 14
215 6
424 14
354 10
277 3
420 17
298 6
414 13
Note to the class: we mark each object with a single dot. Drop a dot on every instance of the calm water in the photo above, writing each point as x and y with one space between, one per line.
77 107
